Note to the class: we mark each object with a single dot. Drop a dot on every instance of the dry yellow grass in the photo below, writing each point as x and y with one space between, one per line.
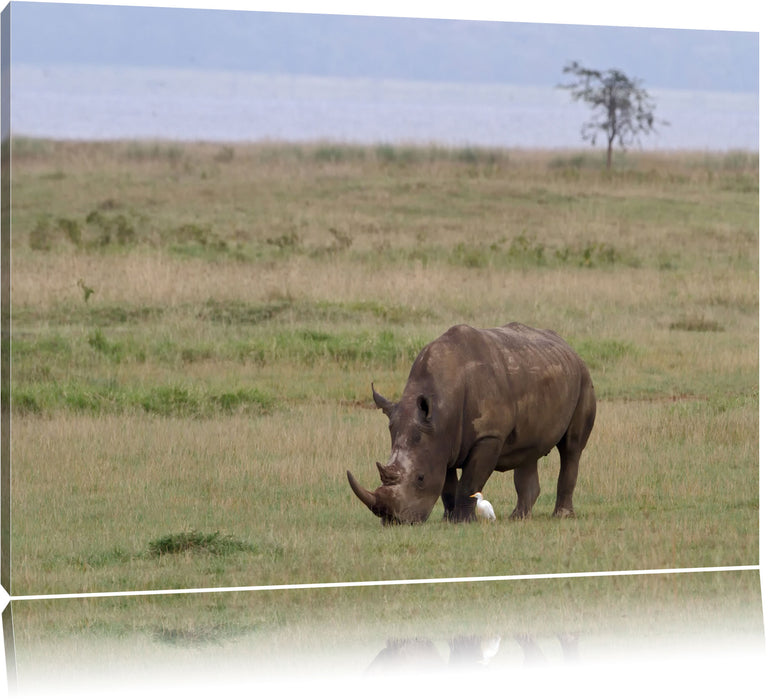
662 484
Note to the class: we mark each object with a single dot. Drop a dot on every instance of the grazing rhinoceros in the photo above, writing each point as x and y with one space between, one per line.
479 401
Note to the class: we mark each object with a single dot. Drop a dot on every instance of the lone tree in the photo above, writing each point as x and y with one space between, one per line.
621 109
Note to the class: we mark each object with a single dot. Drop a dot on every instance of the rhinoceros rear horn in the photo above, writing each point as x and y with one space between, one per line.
382 403
387 475
366 497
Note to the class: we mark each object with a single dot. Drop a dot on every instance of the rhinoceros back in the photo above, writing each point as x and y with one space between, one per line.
519 383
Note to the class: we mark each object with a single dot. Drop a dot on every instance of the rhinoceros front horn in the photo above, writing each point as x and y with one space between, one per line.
366 497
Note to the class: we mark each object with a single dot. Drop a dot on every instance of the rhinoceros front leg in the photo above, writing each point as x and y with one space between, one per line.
448 493
479 465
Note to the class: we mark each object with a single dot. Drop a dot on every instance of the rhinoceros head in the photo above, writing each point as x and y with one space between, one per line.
411 480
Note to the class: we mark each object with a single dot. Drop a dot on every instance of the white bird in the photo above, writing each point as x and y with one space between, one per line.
483 507
489 648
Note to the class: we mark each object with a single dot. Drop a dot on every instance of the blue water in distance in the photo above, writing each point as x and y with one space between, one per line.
79 102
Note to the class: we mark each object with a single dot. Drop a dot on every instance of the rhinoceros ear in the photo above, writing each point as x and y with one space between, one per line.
424 408
382 403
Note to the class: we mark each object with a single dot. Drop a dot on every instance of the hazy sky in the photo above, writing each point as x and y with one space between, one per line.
382 47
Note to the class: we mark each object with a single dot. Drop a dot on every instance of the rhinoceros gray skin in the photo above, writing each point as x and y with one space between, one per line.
480 401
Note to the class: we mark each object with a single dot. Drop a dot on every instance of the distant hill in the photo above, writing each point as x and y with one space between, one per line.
412 49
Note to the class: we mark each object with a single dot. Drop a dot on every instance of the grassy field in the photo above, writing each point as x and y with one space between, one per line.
195 328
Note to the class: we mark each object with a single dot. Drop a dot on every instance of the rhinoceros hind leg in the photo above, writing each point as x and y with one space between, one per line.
567 480
527 487
570 448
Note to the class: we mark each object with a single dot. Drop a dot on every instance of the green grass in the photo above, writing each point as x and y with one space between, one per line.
193 540
196 327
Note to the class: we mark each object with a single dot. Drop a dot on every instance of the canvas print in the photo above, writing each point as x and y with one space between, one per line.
303 299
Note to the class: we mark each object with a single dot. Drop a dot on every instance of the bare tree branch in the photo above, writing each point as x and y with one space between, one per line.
621 108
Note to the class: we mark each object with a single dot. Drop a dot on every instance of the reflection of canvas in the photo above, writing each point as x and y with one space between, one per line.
495 631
